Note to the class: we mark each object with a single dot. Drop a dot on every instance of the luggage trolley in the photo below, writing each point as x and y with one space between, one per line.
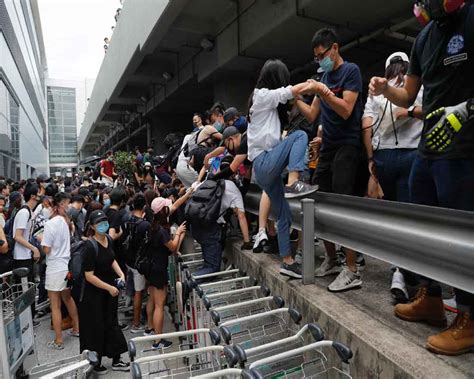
247 356
222 293
261 328
300 363
186 340
200 361
241 309
295 364
16 322
79 366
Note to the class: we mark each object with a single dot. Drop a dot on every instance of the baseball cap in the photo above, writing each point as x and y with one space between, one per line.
148 164
230 113
159 203
97 216
43 178
229 132
398 56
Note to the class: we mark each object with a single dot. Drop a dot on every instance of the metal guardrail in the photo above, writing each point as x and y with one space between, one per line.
431 241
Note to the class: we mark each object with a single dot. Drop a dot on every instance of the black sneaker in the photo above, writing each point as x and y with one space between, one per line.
100 370
123 326
162 344
293 270
120 366
272 246
298 189
148 332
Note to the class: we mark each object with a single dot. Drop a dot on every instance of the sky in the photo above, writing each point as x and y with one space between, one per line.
74 32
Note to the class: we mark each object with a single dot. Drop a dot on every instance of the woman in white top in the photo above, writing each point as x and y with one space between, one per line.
271 154
56 244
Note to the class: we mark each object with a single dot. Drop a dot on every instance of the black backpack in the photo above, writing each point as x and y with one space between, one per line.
8 229
205 204
76 273
130 242
144 261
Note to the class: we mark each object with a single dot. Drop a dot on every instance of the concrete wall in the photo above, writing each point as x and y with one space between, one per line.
135 24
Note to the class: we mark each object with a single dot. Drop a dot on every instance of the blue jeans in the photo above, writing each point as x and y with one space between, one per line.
447 183
268 167
393 171
209 237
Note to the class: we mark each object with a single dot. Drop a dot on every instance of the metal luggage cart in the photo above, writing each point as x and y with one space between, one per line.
79 366
242 309
222 292
261 328
170 366
185 340
295 364
308 333
303 362
16 322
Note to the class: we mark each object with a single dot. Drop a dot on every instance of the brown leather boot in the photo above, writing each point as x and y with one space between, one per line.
457 339
429 309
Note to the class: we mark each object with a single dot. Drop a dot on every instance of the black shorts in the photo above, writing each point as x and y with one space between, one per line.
337 170
158 277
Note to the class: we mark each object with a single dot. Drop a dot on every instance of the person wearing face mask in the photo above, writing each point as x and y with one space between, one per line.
233 118
107 169
77 214
25 253
443 170
56 243
148 174
197 122
99 328
339 103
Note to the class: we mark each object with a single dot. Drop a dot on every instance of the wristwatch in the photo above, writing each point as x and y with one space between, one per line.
411 111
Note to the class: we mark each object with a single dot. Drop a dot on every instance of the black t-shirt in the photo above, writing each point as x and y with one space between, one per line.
100 263
157 249
114 217
443 57
243 149
336 130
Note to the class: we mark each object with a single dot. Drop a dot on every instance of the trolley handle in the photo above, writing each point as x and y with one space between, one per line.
132 344
20 272
215 274
344 353
315 330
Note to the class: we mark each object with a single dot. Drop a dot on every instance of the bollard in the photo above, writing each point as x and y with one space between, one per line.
307 228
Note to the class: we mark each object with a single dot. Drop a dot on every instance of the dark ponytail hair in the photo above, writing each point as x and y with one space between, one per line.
397 70
160 220
273 75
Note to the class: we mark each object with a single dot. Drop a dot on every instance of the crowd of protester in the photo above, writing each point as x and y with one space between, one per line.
412 141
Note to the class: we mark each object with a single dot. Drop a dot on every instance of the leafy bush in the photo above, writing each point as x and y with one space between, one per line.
124 163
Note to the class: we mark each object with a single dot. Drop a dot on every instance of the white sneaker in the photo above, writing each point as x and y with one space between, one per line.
398 287
261 240
345 281
328 267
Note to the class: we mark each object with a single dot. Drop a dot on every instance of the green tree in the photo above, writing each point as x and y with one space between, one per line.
124 163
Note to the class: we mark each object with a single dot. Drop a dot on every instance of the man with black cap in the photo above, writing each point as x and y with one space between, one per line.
232 117
42 180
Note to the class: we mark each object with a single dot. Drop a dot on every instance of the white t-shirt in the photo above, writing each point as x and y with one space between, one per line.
263 132
231 199
23 220
57 236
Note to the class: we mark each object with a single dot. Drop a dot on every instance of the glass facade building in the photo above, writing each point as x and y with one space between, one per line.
62 121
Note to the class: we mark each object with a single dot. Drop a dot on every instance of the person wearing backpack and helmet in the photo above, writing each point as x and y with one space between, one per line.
443 170
100 331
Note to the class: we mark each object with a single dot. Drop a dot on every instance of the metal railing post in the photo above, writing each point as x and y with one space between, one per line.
307 228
